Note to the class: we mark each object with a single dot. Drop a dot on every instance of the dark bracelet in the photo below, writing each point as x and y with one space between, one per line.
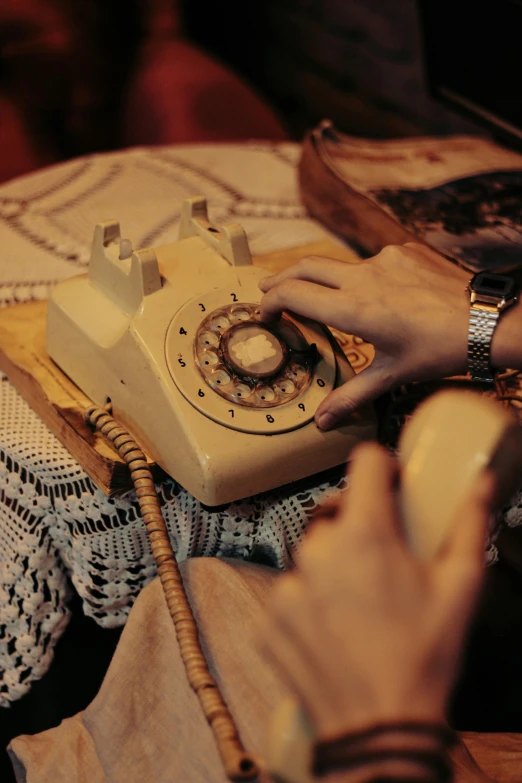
433 761
348 750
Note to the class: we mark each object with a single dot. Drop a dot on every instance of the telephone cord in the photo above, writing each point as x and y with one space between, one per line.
239 765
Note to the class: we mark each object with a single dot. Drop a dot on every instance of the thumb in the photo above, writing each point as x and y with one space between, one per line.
342 402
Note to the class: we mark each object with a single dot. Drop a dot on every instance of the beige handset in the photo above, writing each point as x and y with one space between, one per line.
450 440
171 337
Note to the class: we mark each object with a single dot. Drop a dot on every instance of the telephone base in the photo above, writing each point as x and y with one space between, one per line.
172 337
60 403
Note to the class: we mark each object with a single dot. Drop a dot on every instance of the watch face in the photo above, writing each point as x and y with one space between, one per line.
493 285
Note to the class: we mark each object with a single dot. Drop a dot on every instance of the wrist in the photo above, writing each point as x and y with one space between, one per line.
494 325
506 343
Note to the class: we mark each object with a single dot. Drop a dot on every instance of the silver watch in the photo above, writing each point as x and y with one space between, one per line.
490 295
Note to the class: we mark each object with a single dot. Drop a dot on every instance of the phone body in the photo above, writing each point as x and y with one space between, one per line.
171 337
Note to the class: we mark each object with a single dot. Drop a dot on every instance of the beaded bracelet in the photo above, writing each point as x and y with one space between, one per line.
348 751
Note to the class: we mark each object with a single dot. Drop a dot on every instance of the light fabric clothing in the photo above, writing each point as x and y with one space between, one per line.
146 724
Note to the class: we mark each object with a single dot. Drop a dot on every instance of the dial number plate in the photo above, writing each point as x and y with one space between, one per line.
250 364
218 392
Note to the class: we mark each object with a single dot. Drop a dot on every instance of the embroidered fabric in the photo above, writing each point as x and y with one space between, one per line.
58 531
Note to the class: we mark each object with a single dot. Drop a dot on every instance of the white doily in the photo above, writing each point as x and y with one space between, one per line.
57 530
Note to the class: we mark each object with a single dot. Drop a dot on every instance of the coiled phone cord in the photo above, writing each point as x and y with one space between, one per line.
238 764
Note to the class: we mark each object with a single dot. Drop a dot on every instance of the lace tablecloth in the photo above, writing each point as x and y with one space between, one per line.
57 529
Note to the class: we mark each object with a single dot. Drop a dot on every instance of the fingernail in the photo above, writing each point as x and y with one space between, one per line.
262 282
326 421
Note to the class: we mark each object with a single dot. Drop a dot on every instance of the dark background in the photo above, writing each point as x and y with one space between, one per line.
80 77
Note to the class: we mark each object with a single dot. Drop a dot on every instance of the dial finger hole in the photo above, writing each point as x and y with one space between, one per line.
240 314
219 324
209 359
265 394
220 378
286 386
208 339
242 391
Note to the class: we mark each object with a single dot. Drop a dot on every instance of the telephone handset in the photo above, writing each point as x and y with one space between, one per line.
171 336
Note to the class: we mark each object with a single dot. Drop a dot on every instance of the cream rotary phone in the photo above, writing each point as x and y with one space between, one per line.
171 337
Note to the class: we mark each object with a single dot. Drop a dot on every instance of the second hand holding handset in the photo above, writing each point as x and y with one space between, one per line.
450 440
172 338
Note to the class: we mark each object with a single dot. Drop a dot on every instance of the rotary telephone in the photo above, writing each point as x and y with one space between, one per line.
171 337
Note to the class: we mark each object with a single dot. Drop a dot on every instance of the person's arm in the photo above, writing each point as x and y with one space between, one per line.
408 301
506 345
364 633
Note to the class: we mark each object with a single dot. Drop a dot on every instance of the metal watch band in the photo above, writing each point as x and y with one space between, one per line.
483 319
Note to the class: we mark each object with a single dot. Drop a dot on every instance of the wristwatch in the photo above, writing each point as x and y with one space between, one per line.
490 296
